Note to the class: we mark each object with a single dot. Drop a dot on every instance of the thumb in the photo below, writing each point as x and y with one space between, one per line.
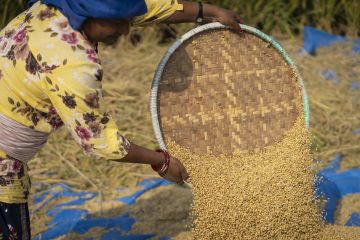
235 26
184 174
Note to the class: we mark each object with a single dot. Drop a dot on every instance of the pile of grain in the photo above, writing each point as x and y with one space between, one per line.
263 195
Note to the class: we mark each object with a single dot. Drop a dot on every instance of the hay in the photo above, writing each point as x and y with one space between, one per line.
334 107
339 233
164 211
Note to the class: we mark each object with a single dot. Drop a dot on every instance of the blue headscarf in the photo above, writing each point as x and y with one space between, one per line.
77 11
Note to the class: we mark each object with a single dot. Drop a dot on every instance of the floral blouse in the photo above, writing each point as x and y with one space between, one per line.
50 76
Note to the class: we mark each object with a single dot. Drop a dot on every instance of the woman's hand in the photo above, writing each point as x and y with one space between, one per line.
211 13
176 172
226 17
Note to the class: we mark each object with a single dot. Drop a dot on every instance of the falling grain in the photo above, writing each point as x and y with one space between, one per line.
262 195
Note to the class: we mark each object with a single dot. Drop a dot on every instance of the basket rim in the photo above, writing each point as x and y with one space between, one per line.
190 34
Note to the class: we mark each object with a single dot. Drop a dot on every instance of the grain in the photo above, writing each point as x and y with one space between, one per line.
339 233
262 195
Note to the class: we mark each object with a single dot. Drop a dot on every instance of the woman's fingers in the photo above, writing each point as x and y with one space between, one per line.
184 174
230 19
176 172
235 25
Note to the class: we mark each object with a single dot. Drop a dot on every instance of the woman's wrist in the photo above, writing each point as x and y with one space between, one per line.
157 158
190 12
211 13
162 169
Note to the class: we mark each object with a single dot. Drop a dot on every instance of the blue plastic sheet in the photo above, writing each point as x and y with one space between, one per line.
314 38
147 186
356 46
65 220
354 220
62 190
333 185
330 75
357 131
355 85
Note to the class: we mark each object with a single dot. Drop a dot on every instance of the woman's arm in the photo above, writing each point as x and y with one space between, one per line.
138 154
176 172
211 14
74 91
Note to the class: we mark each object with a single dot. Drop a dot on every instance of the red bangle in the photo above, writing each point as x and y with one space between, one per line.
162 168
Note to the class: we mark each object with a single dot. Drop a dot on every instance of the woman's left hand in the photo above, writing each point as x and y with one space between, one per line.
227 18
211 13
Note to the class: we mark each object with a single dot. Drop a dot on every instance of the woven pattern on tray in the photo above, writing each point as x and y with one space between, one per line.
221 93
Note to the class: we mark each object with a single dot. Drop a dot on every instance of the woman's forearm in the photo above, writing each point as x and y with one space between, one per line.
137 154
211 13
190 12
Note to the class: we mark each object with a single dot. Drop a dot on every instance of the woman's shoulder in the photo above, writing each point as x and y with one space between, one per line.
53 40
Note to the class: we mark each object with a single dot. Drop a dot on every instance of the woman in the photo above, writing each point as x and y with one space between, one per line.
50 75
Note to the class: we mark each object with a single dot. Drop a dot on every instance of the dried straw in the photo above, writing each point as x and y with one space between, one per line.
334 107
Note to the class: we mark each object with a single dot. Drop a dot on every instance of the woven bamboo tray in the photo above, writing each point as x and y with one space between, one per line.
219 92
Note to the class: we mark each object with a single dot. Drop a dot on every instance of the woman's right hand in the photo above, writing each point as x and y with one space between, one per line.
176 172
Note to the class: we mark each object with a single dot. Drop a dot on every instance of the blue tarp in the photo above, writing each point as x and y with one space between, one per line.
314 38
333 185
74 219
147 185
357 131
354 220
356 46
330 75
355 85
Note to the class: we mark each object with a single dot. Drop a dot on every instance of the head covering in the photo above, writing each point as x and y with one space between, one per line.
77 11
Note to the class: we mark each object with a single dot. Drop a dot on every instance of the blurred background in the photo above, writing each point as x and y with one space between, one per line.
272 16
61 173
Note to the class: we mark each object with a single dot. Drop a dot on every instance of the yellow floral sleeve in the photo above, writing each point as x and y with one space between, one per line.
158 11
75 93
